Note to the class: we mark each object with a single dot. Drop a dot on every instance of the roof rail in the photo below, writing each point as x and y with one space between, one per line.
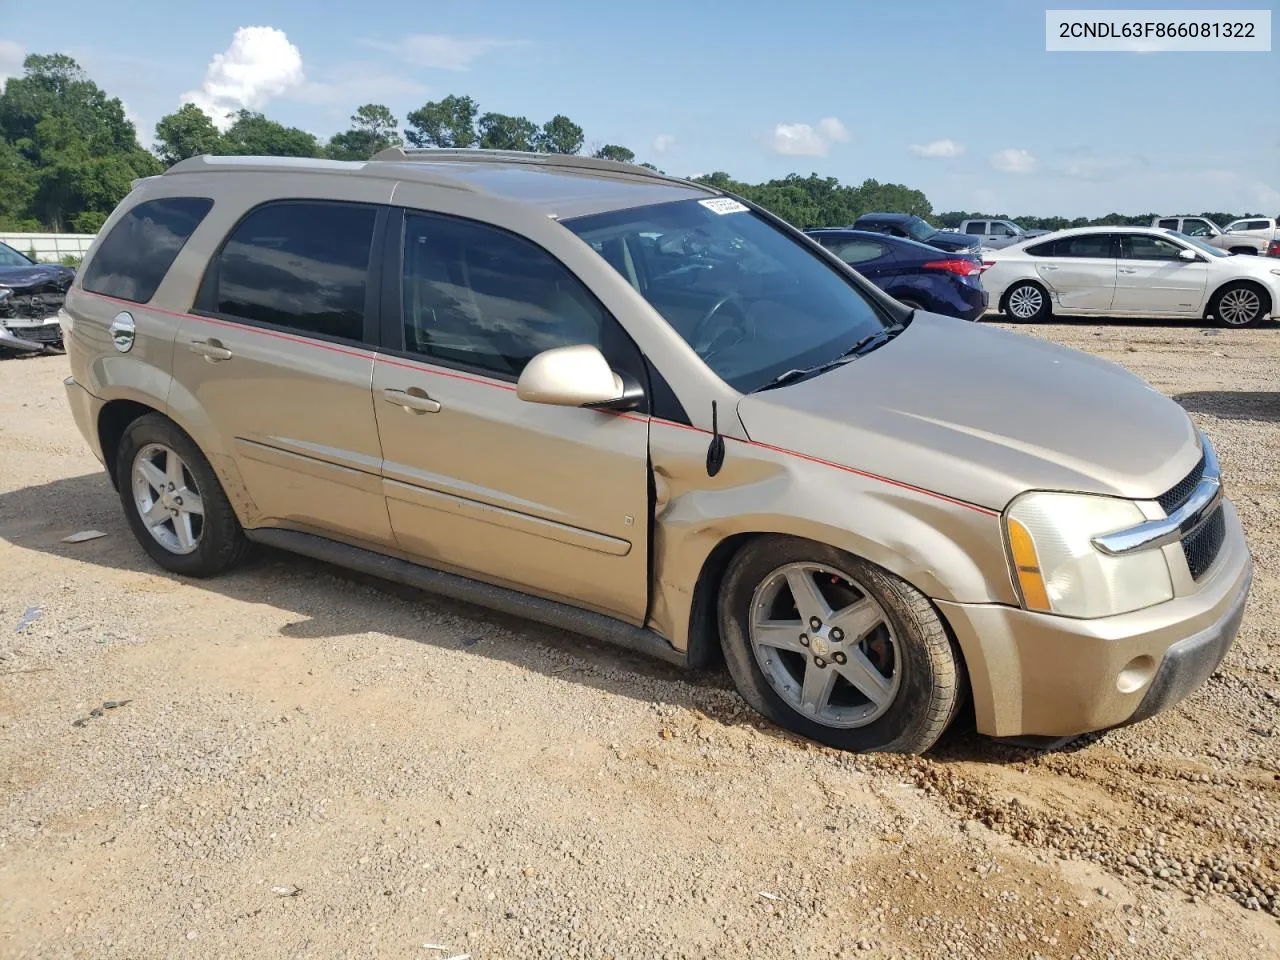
309 164
566 161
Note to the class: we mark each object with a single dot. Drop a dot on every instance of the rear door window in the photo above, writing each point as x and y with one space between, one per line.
300 265
1171 224
857 251
1085 245
976 227
135 256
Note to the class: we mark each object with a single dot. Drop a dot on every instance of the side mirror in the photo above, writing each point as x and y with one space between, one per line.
1186 254
577 376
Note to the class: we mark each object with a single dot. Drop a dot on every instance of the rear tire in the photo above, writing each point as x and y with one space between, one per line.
811 679
1026 302
1240 305
173 501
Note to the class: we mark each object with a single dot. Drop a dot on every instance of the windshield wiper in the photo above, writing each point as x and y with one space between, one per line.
858 349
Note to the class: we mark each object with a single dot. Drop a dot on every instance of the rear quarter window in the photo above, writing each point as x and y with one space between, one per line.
1041 249
135 256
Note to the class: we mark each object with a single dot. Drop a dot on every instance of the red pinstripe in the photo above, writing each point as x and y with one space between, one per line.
485 382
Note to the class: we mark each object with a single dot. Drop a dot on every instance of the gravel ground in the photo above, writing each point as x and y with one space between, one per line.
295 762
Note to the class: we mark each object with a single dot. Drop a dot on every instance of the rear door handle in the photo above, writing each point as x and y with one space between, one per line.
412 400
211 350
1128 269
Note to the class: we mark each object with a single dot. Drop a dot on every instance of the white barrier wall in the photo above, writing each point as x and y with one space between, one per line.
49 247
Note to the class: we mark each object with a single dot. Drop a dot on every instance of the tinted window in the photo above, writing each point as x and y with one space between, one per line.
134 257
856 251
1256 225
298 265
1042 249
1169 224
1084 245
978 227
749 298
1140 246
477 296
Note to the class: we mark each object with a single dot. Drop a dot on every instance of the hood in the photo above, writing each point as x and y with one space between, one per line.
36 275
982 415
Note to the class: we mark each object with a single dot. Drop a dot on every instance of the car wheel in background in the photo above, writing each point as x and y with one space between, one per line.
173 501
837 649
1027 302
1239 305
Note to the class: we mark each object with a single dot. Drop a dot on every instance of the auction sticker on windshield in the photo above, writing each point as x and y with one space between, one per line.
723 205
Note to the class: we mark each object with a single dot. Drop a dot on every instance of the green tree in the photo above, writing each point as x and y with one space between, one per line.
17 187
611 151
450 122
499 131
252 134
187 132
558 135
373 128
81 152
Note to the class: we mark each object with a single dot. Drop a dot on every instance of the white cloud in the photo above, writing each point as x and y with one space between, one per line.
804 140
937 149
346 85
441 51
663 142
12 54
260 64
145 131
833 130
1013 160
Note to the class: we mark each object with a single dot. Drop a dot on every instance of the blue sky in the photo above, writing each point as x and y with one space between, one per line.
844 89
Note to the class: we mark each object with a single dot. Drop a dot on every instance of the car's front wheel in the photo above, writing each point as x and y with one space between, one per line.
174 502
1027 302
1239 305
837 649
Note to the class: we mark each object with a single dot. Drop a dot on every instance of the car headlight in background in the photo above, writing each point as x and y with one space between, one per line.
1057 568
5 293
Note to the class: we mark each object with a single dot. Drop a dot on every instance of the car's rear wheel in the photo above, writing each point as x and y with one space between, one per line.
1239 305
1027 302
173 501
837 649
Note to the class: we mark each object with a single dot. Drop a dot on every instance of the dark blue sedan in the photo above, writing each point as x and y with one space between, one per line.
914 274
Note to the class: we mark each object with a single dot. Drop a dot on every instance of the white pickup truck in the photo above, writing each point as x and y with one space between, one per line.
1256 235
997 234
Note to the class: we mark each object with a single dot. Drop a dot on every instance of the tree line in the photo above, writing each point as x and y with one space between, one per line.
69 154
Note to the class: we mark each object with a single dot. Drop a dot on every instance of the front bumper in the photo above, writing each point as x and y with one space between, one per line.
1035 674
45 331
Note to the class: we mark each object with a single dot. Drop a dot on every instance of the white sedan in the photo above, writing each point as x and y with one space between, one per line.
1130 271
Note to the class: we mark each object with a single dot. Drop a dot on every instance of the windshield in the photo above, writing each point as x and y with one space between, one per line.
10 257
1199 244
751 301
918 229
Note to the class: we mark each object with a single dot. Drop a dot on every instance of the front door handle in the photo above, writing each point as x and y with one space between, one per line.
211 350
1128 269
412 400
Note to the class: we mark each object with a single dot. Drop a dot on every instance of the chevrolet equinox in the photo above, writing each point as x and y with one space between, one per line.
646 411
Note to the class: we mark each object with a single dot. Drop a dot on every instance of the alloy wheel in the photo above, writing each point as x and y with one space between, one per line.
824 645
167 498
1025 302
1239 307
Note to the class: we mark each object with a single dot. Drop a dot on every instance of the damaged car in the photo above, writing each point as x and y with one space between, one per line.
31 295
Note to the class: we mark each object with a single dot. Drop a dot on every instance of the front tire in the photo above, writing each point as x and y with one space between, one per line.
836 649
173 501
1027 302
1239 305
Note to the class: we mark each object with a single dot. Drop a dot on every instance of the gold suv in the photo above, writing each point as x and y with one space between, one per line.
646 411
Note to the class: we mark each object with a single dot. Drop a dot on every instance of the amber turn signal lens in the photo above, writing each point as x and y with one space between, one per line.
1027 565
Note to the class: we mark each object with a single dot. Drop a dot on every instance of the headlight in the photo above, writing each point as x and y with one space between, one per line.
1059 571
5 293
